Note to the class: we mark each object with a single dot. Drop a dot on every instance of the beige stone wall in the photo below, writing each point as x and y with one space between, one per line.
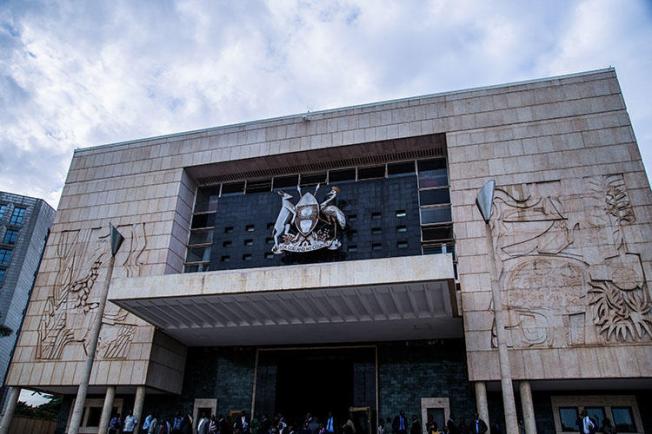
572 237
546 134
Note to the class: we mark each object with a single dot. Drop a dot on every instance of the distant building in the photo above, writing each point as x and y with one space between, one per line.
24 226
337 261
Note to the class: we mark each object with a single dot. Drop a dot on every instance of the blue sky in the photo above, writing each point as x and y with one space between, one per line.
77 74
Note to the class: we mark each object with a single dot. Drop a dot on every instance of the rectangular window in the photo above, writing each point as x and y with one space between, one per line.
203 221
207 199
289 182
201 236
434 197
259 185
437 233
3 210
2 275
17 216
199 254
341 175
623 419
400 169
313 179
10 237
432 173
5 256
435 215
233 188
568 418
371 172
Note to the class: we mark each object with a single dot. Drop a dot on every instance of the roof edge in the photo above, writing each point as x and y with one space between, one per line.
338 109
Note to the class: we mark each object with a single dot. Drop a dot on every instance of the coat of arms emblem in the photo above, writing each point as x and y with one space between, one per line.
315 224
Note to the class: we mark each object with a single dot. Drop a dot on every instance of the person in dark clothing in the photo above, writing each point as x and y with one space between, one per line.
177 424
242 423
115 424
400 423
415 427
451 426
478 426
186 427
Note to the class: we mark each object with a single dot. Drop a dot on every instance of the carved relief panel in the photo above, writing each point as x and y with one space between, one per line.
565 267
70 308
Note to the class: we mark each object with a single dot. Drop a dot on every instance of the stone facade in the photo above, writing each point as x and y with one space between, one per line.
571 230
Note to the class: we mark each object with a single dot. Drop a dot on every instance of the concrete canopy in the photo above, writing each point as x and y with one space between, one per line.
382 299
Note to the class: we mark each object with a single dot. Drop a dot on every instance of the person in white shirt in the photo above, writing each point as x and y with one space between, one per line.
588 427
130 423
202 426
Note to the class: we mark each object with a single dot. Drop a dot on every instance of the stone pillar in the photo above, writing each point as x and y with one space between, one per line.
138 407
107 409
10 407
482 407
528 407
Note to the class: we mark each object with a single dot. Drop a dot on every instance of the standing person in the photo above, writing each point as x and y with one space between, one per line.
202 425
164 426
399 425
242 423
478 426
349 426
282 425
381 426
414 427
147 423
451 426
186 427
587 426
130 423
115 424
213 427
330 423
153 424
177 424
313 425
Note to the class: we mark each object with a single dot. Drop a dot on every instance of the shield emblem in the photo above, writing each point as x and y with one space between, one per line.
307 210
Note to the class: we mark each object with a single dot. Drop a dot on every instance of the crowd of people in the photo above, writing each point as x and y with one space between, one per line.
154 423
310 424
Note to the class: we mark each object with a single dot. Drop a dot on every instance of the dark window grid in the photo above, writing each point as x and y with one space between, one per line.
10 237
5 256
3 210
17 216
360 199
3 272
242 187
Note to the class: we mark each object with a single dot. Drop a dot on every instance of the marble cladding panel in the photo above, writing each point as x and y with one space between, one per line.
571 240
555 140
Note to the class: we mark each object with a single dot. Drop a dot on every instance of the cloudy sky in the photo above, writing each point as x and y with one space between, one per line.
78 74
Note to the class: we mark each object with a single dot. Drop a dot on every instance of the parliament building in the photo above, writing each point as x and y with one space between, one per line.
482 250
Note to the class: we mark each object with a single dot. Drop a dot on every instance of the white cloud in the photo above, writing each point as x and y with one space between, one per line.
90 73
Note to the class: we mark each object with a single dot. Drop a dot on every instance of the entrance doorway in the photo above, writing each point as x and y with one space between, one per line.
294 382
